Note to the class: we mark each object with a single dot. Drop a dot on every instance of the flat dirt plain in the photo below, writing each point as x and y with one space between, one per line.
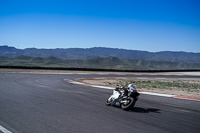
188 87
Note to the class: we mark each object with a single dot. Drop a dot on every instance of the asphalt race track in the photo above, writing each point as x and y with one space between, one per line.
46 103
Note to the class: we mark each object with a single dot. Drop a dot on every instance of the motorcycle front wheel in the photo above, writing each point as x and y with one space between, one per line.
129 105
108 102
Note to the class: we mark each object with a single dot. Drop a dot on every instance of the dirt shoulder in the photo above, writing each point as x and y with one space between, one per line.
180 87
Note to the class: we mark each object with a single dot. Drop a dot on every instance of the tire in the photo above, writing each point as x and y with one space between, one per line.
130 105
108 103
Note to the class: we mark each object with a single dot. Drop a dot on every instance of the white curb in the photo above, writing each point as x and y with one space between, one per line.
147 93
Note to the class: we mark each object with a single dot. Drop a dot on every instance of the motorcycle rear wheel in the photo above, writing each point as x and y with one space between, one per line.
130 105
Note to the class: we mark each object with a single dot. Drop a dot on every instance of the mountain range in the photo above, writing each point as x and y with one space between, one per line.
97 52
109 63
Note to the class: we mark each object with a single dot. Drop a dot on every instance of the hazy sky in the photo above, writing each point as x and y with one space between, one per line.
150 25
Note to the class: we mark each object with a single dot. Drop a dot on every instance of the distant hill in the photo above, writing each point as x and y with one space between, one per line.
97 63
96 52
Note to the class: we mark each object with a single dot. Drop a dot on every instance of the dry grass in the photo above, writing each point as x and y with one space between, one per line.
180 87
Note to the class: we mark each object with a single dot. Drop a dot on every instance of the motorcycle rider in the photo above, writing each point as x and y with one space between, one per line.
124 98
131 87
124 91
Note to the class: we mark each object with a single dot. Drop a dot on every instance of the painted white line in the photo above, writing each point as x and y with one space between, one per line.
4 130
160 78
51 73
120 74
78 83
100 78
121 78
103 87
157 94
151 74
142 78
102 74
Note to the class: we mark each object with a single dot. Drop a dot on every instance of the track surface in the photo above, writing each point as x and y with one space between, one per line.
45 103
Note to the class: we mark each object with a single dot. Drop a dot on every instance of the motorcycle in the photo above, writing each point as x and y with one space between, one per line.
123 98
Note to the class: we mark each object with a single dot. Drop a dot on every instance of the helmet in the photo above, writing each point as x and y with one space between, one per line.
131 86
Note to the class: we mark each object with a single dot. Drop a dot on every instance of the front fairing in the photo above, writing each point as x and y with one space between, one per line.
115 95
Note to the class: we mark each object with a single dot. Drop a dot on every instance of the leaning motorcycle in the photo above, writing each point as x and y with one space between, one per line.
123 98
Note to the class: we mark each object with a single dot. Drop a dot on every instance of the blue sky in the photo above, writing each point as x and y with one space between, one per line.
149 25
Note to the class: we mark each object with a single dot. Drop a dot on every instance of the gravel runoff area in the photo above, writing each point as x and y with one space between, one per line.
182 86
